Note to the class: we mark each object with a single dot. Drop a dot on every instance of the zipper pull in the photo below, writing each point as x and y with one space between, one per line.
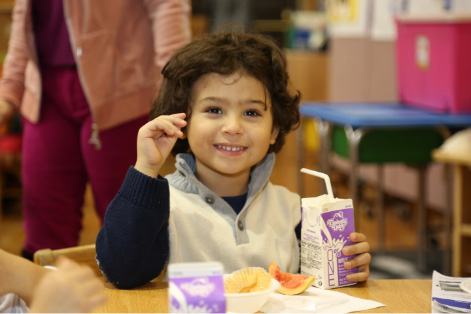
94 139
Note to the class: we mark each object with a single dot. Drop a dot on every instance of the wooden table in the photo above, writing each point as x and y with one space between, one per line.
398 296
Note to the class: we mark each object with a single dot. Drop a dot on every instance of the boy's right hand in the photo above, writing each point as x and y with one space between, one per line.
155 141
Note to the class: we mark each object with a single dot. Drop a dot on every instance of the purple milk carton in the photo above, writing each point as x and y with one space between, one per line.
196 288
325 229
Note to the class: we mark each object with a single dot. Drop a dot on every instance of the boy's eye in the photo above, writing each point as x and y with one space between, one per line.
252 113
214 110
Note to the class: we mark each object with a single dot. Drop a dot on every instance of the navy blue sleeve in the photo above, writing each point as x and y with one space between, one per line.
297 230
132 246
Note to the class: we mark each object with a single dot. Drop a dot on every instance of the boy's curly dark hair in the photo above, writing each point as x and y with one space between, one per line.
226 53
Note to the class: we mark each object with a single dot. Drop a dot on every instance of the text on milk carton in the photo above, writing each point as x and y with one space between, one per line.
326 227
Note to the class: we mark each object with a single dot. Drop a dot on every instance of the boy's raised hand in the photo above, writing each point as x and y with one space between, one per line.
155 141
361 248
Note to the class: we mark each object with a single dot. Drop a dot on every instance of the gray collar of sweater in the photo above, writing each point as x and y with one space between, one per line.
184 179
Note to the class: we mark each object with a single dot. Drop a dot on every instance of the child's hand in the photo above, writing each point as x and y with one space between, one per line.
155 142
73 288
362 260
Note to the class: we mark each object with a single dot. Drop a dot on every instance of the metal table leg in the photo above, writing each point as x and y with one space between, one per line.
448 223
354 138
422 221
325 132
380 210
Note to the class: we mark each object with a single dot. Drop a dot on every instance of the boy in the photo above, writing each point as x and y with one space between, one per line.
224 109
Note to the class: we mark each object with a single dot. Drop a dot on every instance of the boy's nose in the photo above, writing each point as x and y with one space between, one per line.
232 126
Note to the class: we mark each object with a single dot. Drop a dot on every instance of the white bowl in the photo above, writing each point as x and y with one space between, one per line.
249 302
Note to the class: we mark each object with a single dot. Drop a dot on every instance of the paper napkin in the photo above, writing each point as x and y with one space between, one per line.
315 300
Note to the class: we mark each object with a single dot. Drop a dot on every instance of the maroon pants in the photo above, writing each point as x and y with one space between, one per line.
58 161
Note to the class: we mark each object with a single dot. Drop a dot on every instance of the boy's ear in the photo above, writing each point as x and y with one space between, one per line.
274 134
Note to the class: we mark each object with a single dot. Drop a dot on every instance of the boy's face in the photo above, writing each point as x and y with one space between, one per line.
231 124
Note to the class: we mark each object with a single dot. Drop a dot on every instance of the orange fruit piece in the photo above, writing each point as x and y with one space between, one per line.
290 283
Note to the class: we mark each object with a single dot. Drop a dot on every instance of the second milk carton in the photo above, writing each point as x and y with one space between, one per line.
325 228
196 288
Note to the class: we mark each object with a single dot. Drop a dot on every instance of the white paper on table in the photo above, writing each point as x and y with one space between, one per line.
447 296
317 300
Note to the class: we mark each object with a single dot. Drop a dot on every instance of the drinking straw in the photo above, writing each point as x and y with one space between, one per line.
323 176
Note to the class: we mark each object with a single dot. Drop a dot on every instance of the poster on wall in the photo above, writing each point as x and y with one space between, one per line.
343 10
349 18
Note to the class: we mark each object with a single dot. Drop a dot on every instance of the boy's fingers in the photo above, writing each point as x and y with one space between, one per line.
357 237
357 248
358 261
162 124
362 275
167 126
180 115
177 119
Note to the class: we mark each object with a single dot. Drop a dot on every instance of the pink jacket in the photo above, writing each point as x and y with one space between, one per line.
119 46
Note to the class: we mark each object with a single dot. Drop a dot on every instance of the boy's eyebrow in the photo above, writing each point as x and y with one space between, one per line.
212 99
224 100
255 101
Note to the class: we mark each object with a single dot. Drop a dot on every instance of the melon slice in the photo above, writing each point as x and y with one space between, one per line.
290 283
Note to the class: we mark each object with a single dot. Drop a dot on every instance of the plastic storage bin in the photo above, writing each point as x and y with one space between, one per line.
434 62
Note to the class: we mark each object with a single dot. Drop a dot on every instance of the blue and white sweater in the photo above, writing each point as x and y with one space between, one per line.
179 219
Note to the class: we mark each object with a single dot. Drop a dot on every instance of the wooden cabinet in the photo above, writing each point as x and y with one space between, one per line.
308 73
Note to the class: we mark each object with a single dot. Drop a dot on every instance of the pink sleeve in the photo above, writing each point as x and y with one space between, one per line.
12 83
170 26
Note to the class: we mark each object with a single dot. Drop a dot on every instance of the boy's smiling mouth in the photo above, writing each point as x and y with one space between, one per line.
230 148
